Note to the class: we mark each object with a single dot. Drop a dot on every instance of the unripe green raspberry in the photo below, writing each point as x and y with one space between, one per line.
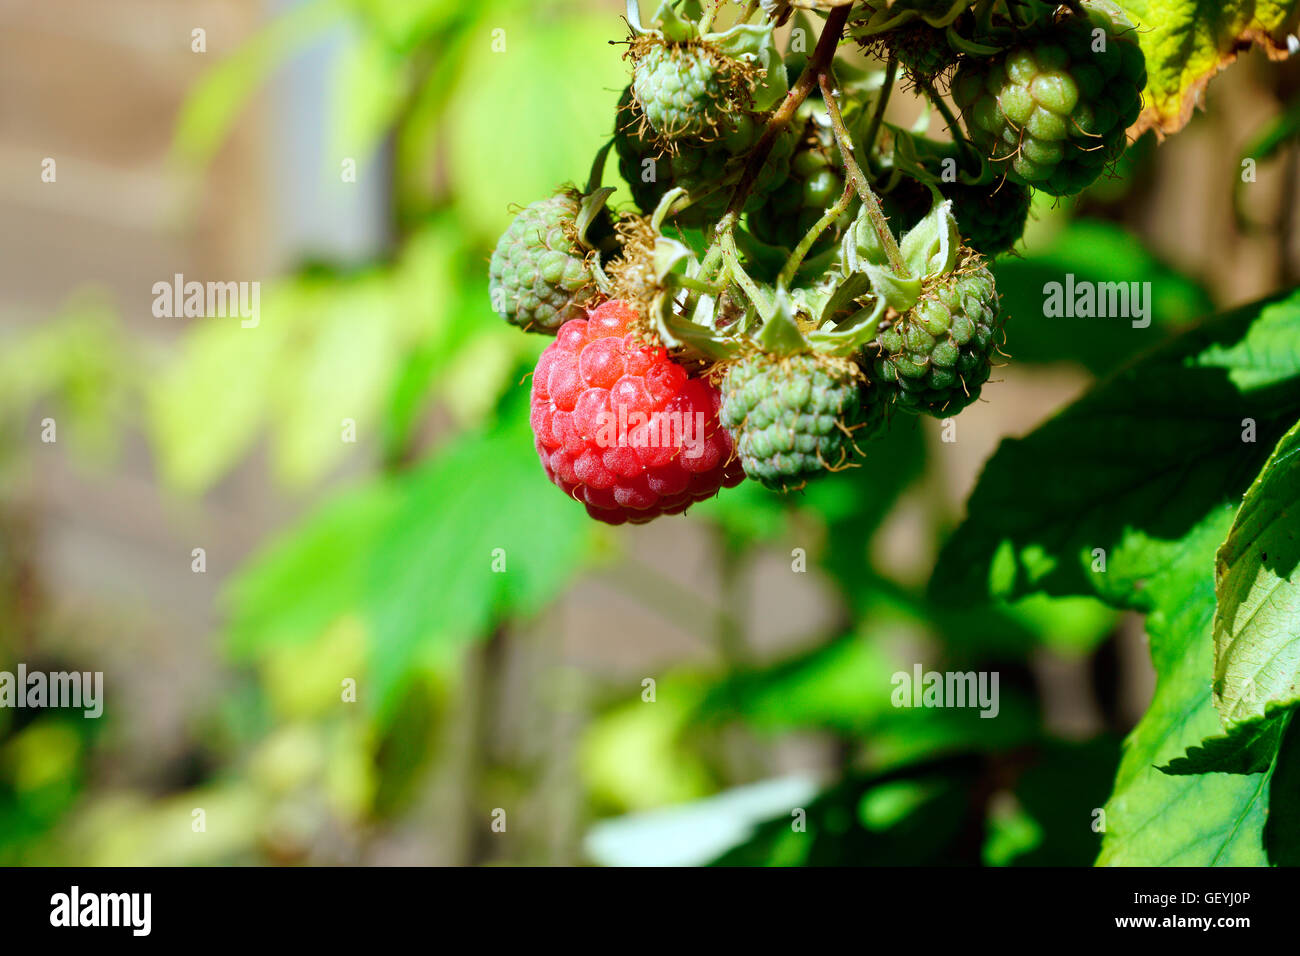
923 50
991 217
1053 109
814 184
792 418
538 276
707 169
680 88
937 356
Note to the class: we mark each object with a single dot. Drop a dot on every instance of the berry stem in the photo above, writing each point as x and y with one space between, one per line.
706 20
859 182
760 302
878 114
954 127
711 260
800 251
822 56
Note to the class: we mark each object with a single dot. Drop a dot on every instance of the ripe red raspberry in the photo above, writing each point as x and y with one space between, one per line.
623 428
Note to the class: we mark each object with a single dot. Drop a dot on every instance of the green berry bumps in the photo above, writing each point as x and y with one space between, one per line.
937 356
538 277
792 418
1054 109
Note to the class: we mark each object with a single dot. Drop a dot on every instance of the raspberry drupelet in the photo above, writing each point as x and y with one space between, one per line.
621 427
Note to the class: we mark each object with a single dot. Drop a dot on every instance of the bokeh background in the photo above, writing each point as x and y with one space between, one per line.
768 628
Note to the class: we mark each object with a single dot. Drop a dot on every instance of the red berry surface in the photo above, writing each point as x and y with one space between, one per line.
623 428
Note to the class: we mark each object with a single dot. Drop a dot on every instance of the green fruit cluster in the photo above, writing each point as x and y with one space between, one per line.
791 417
1054 108
707 169
538 276
814 184
935 358
680 90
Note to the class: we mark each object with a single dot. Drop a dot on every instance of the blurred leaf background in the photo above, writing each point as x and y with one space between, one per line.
677 693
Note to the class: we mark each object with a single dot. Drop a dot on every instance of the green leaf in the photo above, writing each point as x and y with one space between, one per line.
1282 832
370 86
1133 493
848 686
1132 468
1060 792
909 817
405 24
555 125
1257 624
296 587
1093 252
478 534
1249 748
1186 42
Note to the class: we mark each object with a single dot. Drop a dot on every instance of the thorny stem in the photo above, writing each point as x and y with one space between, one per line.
878 116
748 11
783 114
800 251
859 182
706 20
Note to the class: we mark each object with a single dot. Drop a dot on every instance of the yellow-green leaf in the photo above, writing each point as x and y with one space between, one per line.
1186 42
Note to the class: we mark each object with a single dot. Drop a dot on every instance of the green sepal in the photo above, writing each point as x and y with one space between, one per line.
665 206
965 45
882 21
597 173
843 299
591 206
851 335
918 157
679 333
897 292
932 246
860 245
780 334
668 254
955 9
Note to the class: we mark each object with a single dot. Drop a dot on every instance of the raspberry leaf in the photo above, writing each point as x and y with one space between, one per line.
1134 493
1257 623
1250 748
1187 42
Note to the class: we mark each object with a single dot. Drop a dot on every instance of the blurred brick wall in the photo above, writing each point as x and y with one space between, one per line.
96 85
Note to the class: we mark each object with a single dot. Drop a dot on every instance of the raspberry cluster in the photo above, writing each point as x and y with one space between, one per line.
754 313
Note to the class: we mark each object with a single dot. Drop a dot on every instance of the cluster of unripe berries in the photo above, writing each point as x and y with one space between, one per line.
806 327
